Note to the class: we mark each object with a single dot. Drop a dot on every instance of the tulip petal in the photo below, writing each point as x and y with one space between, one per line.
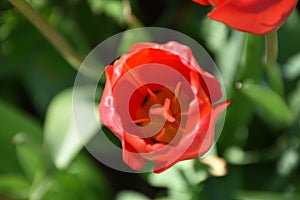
203 2
162 166
131 156
252 15
212 86
199 140
106 106
194 137
209 2
204 138
143 45
209 139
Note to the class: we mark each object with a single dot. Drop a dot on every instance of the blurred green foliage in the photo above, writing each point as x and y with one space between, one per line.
260 139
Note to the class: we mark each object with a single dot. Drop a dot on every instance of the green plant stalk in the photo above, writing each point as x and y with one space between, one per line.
271 65
54 37
271 41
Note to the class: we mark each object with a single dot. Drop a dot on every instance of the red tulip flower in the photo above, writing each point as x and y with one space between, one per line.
253 16
161 105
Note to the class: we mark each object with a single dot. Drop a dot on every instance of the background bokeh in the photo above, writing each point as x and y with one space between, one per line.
260 141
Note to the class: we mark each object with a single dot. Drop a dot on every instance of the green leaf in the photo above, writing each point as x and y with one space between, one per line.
82 180
66 186
252 66
50 71
275 78
14 186
274 108
289 37
29 154
131 37
288 162
216 34
228 59
294 99
61 137
91 175
112 8
40 186
258 195
292 67
181 179
12 122
131 195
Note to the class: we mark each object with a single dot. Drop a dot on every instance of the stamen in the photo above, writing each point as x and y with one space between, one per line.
167 115
161 134
152 95
141 120
170 118
167 104
177 90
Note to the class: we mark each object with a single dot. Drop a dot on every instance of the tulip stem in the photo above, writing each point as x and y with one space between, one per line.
271 40
272 67
54 37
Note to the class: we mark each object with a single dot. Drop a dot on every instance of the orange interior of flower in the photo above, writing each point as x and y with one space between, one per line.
147 96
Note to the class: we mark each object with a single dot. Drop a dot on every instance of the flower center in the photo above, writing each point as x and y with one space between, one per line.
169 109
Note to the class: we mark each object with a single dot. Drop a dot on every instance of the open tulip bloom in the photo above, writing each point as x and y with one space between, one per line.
253 16
161 105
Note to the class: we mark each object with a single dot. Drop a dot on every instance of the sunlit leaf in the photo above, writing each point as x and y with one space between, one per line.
129 38
131 195
179 179
40 186
61 137
292 67
216 34
288 162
